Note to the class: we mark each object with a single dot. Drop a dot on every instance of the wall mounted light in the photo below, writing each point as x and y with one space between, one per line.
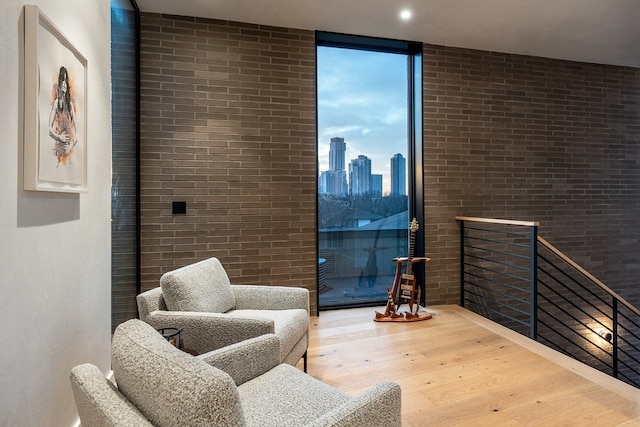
606 335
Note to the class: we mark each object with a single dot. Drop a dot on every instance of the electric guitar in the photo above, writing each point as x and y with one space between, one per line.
407 291
404 283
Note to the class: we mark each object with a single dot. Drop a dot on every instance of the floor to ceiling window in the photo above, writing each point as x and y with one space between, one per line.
124 163
366 106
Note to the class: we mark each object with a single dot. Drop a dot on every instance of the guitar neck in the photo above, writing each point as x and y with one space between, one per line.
412 241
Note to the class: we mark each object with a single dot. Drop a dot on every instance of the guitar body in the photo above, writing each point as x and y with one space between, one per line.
404 290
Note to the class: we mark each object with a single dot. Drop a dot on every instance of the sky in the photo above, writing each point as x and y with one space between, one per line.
362 97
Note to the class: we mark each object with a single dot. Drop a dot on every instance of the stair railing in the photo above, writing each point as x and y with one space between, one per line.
516 278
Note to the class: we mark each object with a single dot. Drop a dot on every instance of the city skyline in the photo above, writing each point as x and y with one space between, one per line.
362 97
359 179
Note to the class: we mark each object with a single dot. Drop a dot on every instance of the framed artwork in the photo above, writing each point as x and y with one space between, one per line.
55 108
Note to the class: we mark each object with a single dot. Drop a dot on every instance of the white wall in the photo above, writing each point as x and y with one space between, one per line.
55 249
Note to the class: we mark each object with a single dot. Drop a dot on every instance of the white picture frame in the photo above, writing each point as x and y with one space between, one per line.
55 108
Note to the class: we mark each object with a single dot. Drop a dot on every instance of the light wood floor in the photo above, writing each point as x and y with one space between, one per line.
458 369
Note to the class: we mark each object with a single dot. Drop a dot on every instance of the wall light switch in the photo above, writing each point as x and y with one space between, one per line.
179 208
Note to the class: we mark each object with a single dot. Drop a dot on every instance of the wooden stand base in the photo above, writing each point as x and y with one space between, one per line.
407 317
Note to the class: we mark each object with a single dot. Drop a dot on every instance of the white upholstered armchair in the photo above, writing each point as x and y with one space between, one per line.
211 313
240 385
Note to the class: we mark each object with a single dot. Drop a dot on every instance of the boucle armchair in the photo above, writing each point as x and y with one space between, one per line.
200 300
240 385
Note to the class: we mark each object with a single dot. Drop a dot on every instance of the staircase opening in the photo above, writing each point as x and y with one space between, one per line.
514 277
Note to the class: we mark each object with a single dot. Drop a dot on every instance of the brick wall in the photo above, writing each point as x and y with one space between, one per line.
526 138
228 125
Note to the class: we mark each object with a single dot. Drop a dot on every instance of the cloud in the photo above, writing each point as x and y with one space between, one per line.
362 97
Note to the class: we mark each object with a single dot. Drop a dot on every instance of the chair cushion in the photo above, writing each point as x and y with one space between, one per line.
170 387
285 396
289 325
203 287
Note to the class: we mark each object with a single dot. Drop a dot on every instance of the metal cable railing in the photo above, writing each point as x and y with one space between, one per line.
514 277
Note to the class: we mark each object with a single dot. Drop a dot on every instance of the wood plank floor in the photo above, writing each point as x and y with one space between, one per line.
458 369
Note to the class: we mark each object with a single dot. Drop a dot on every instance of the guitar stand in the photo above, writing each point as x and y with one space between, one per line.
404 291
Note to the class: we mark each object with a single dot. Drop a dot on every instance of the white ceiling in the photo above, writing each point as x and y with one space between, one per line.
598 31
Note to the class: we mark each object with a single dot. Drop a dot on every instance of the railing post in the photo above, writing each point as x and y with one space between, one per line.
461 263
534 283
614 337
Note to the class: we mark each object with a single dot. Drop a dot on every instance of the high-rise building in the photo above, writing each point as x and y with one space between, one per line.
337 152
376 185
334 180
398 175
360 175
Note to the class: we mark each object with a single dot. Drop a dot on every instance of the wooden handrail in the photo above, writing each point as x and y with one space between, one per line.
588 275
498 221
556 251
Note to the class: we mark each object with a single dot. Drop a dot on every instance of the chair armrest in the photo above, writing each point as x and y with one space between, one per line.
99 402
204 332
379 406
150 301
255 297
246 360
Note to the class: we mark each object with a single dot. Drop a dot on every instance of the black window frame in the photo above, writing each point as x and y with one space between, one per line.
415 160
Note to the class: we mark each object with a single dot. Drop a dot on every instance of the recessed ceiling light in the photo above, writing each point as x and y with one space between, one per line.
405 14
